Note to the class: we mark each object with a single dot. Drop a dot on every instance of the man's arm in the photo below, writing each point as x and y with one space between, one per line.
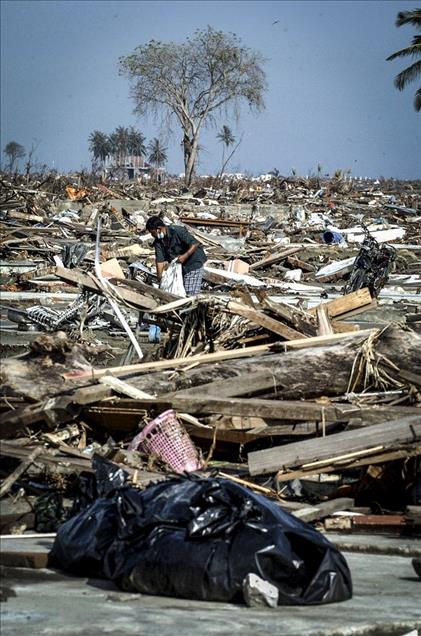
160 267
192 243
183 257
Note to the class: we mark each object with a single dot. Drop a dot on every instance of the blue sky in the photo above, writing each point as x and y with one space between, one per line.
330 100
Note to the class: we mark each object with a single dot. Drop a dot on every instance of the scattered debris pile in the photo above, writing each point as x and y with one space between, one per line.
296 373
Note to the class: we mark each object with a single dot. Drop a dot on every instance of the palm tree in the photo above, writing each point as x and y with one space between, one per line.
157 156
227 138
411 73
99 145
120 141
136 143
157 153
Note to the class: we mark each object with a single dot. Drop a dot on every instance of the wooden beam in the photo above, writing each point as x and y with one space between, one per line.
142 367
13 422
380 458
261 319
18 472
324 509
301 320
324 326
275 257
79 278
344 304
309 453
153 292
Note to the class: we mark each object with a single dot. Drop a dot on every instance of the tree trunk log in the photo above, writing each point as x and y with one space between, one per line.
307 373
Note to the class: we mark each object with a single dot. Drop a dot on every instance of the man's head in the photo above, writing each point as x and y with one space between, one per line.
156 226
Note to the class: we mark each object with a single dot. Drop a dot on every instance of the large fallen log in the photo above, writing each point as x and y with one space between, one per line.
306 373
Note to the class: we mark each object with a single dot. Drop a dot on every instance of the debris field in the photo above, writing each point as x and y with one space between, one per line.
294 374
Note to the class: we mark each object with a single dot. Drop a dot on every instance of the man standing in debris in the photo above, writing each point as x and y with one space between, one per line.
175 242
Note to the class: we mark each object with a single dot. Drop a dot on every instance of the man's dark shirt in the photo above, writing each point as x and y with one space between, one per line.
177 241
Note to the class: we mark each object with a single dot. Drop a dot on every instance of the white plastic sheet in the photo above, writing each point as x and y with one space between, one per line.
172 280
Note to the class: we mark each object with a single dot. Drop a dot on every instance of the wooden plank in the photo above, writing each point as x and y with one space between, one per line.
321 341
324 509
339 326
324 327
344 304
356 312
68 464
334 447
191 220
380 458
303 321
297 263
77 277
14 422
147 290
261 319
126 389
90 394
40 272
371 524
24 559
142 367
78 462
275 257
18 472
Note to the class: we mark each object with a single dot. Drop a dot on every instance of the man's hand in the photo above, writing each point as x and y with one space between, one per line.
182 258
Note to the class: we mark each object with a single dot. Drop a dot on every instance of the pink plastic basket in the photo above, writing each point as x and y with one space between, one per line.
167 439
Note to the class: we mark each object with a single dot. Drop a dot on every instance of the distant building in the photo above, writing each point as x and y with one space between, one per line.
134 167
129 168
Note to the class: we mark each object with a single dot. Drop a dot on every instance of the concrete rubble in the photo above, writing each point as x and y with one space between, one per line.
296 372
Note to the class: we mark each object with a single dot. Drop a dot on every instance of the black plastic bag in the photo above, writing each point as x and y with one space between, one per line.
198 538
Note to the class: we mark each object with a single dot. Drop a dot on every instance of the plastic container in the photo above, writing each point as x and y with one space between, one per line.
166 438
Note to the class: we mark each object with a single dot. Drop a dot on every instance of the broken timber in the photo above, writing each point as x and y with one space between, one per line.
314 454
340 307
77 277
259 318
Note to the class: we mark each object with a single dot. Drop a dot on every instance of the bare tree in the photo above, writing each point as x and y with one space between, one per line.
29 164
194 82
14 151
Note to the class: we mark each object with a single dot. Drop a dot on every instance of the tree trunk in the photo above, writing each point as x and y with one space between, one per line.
306 373
190 162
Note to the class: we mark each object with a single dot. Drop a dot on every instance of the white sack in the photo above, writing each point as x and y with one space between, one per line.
172 279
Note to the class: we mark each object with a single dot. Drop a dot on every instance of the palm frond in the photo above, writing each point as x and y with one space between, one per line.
417 100
409 17
412 49
408 75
